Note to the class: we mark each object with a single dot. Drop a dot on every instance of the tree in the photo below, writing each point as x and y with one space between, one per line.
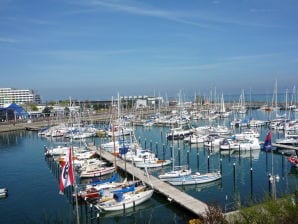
47 111
66 111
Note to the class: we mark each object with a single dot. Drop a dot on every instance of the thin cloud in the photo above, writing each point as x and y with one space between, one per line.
142 10
209 66
250 57
8 40
263 10
220 62
204 20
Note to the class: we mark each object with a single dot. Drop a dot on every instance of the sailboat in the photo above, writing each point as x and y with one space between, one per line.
241 107
222 109
196 178
177 171
126 198
150 161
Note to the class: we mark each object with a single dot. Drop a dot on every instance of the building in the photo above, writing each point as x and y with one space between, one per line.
18 96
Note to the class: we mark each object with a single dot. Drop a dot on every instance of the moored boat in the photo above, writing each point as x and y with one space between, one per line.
122 201
293 160
3 192
96 171
153 163
175 173
196 178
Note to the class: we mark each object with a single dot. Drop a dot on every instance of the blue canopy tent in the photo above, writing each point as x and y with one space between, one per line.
12 112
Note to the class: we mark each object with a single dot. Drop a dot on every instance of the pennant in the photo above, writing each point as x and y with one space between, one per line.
67 175
267 144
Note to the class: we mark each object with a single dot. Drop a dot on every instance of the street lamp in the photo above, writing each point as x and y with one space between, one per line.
273 180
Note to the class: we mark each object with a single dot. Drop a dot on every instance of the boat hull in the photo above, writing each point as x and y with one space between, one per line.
155 164
97 173
195 179
130 201
174 174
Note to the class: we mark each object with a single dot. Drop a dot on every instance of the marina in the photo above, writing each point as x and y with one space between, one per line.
116 112
241 170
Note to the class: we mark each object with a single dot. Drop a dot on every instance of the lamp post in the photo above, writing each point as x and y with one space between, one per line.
273 179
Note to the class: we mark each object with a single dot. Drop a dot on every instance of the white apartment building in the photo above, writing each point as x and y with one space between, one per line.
18 96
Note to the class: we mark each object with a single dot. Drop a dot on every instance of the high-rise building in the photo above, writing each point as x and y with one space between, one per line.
18 96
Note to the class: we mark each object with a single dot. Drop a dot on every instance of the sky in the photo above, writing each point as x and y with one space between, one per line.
93 49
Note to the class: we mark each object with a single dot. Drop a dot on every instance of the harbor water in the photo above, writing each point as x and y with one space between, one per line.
33 192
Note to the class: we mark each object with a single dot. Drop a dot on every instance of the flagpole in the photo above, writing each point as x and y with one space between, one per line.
75 186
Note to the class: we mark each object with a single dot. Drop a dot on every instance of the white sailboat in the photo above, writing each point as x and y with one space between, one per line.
122 201
222 109
126 198
196 178
177 171
242 107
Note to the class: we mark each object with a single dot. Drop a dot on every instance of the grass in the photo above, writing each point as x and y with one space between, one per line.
281 211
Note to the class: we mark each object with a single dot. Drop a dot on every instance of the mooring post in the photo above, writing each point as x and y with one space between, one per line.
234 172
208 158
251 182
282 163
145 143
188 158
179 157
198 160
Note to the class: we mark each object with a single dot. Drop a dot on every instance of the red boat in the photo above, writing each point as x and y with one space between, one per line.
293 160
89 193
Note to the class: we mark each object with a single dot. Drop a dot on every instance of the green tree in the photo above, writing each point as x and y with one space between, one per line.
47 111
66 111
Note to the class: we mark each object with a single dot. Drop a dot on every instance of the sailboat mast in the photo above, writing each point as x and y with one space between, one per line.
75 185
113 135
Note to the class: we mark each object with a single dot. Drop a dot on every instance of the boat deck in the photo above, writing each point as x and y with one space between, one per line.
174 195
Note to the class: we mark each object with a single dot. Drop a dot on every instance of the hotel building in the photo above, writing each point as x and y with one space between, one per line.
18 96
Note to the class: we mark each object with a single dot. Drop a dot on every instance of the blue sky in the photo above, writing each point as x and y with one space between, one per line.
92 49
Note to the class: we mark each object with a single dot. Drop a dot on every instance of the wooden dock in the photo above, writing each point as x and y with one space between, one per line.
281 146
172 194
287 150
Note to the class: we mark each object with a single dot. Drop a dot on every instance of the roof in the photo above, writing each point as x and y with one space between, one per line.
18 109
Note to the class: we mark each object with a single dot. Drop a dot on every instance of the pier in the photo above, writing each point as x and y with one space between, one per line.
172 194
281 146
290 149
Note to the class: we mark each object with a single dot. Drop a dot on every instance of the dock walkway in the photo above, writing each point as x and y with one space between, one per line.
190 203
282 146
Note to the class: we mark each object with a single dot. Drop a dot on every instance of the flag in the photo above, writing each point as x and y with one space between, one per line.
267 144
67 175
